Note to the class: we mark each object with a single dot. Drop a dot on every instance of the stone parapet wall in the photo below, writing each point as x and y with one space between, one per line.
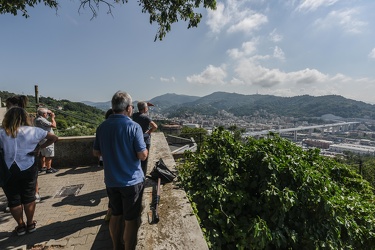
178 227
74 151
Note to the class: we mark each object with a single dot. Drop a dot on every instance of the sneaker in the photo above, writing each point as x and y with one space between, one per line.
37 198
32 227
51 171
20 230
42 169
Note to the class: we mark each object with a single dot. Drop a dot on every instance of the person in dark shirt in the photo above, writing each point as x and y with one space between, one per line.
147 125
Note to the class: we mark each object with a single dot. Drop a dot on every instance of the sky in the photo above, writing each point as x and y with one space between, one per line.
277 47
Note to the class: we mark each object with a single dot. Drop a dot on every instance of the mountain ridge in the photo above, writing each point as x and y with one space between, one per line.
297 106
175 105
267 106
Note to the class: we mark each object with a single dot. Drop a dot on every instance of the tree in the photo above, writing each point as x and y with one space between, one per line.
163 12
237 132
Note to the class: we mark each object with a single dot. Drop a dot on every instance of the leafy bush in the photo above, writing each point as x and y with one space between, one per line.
362 164
271 194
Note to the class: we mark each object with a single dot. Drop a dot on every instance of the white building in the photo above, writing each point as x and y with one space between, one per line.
354 148
191 125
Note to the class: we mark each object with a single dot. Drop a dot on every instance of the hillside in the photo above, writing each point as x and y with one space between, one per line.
99 105
173 105
298 106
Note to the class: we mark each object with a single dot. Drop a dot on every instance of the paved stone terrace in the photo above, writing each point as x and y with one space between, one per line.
72 222
77 222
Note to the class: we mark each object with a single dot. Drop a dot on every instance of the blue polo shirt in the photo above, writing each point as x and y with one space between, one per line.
119 139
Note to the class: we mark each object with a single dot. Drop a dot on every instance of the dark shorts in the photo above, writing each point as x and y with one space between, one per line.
20 189
126 201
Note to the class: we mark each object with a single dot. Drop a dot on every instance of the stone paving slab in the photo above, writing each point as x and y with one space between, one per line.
72 222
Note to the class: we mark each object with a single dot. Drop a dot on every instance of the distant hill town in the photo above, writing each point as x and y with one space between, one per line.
329 106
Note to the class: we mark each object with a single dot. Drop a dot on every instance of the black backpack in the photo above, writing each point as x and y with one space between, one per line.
161 171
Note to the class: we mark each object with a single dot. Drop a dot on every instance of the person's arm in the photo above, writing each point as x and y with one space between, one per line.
51 138
153 127
53 122
142 155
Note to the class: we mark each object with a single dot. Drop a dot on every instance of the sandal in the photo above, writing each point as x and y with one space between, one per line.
20 230
32 227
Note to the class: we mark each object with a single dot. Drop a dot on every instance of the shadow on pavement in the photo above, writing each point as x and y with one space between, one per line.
80 170
90 200
60 230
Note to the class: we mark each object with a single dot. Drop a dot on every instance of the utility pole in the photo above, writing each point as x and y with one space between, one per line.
36 98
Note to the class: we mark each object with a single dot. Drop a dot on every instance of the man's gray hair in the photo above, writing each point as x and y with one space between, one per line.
42 111
120 101
141 106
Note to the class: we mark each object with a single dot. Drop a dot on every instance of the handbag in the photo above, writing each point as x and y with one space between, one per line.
4 170
161 171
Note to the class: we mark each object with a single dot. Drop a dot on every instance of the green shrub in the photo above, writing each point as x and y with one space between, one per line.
271 194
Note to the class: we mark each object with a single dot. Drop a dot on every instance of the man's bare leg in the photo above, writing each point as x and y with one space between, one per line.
17 213
29 211
130 234
48 162
115 230
43 161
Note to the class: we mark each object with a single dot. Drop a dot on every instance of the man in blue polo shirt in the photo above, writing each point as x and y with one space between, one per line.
120 142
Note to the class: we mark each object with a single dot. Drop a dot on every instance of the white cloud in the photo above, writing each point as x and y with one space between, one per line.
217 19
372 54
249 24
247 48
236 81
341 78
306 76
343 19
164 79
211 75
307 81
278 53
251 73
250 46
275 37
312 5
234 53
234 16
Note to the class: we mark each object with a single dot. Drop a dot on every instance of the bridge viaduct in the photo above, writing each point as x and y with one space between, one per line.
334 127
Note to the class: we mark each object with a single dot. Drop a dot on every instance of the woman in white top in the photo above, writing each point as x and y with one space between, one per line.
20 142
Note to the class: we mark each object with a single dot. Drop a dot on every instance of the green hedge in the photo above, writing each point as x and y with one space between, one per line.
271 194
